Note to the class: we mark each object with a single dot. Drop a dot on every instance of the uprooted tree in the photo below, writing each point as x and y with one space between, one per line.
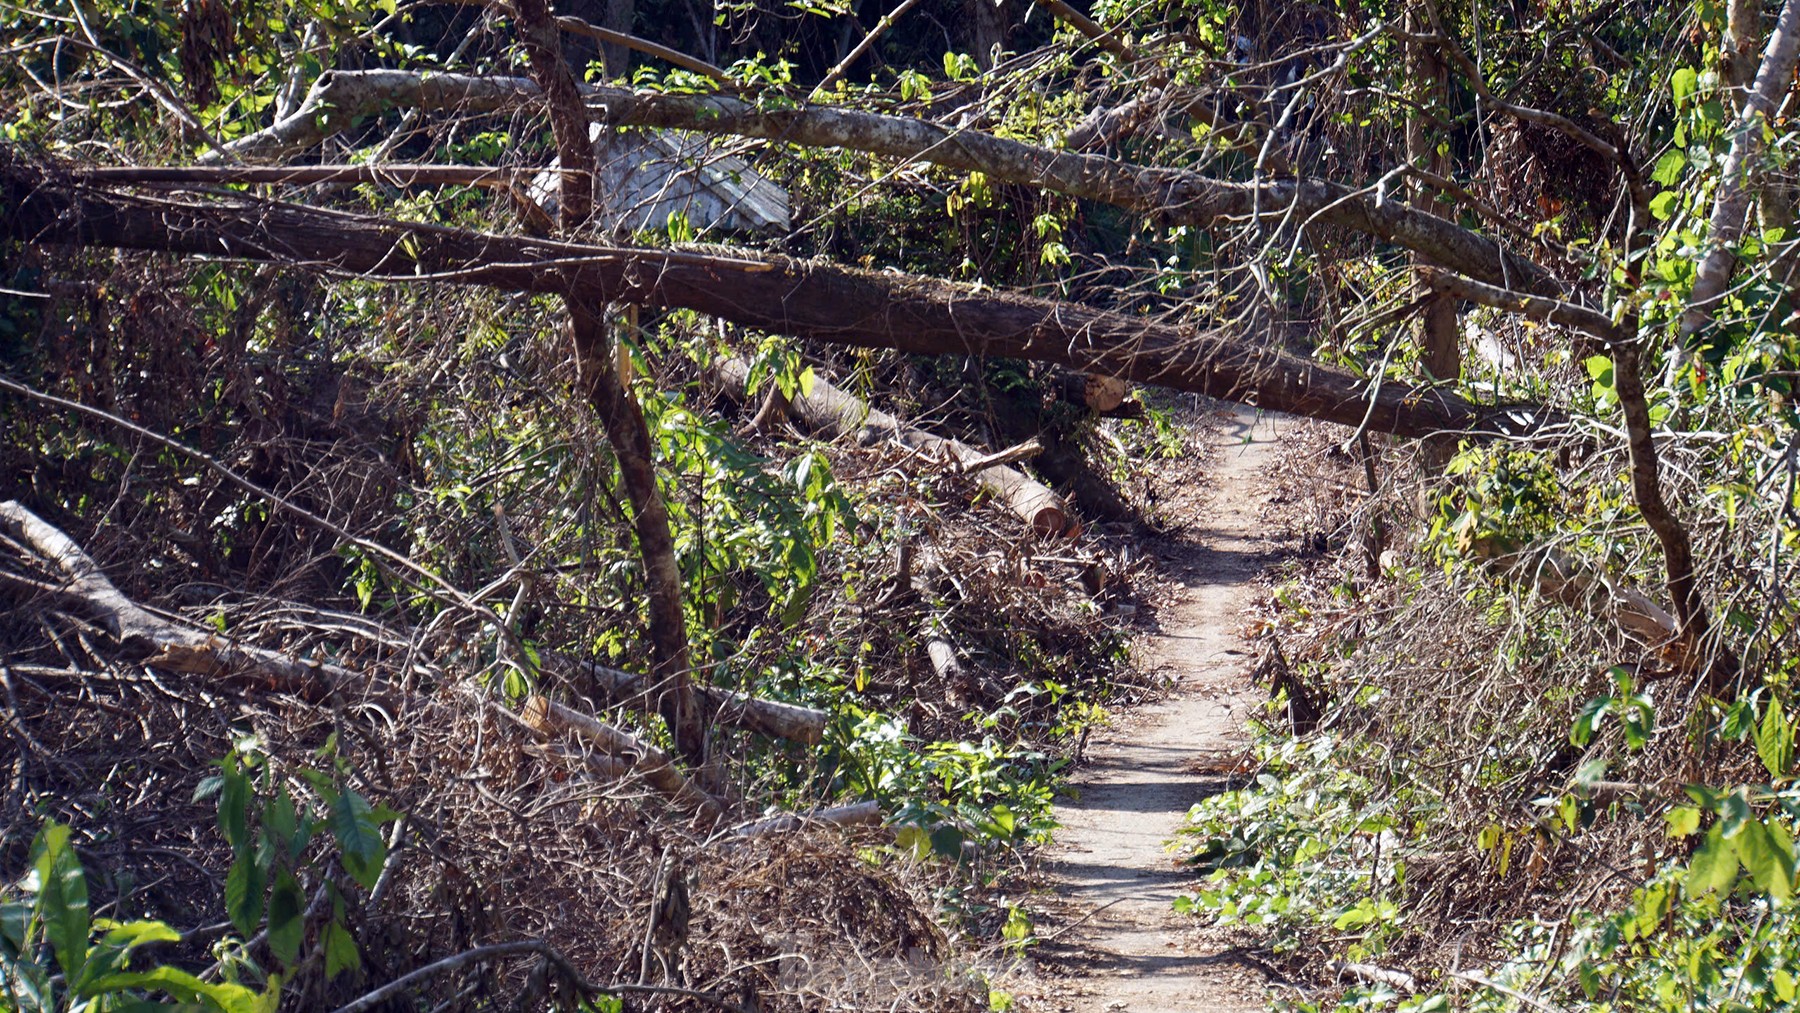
1263 204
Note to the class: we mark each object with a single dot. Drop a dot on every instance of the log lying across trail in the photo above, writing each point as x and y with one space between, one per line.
837 413
805 299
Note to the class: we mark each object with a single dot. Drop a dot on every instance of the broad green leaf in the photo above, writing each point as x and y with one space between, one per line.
1682 820
234 805
341 953
1734 812
1662 206
1714 865
1682 84
245 886
62 900
1669 166
15 920
1784 985
947 841
287 919
282 821
1775 741
361 848
1588 721
180 984
1771 868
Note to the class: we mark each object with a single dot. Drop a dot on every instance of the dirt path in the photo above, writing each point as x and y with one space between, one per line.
1114 933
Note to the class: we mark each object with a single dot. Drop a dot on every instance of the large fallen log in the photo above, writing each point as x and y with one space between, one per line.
837 413
806 299
1578 585
167 644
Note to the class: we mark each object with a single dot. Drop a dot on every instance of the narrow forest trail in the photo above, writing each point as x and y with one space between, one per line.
1113 932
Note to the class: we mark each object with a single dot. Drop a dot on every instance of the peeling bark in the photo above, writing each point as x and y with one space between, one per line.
1731 206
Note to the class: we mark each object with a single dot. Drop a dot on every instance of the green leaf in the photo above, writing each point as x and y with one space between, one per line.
1682 84
1662 206
1682 820
234 805
282 822
131 935
245 886
1588 721
358 834
1714 865
62 900
947 841
1771 867
1668 168
182 985
1775 741
341 953
287 919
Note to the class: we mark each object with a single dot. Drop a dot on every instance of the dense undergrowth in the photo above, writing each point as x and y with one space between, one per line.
815 574
1466 796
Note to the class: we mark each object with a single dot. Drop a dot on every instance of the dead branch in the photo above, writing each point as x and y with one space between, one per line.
165 643
854 814
838 413
339 99
805 725
805 299
646 760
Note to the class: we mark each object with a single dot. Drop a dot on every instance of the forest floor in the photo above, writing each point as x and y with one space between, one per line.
1111 940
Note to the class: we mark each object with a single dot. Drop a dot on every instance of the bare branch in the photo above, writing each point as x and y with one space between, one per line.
1175 196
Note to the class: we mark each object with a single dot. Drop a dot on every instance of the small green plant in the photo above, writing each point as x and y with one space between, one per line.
272 832
45 927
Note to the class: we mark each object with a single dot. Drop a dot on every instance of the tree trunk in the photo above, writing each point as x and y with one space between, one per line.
839 413
611 396
805 299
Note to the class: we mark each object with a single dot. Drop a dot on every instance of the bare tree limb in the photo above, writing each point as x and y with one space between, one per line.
1178 196
1731 205
805 299
1533 307
165 643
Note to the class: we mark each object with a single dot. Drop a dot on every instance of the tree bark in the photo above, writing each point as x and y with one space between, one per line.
805 299
171 646
1440 358
611 395
1176 196
1731 206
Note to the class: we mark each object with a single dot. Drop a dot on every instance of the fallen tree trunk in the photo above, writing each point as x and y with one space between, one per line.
339 99
805 725
838 413
169 645
1562 578
778 294
854 814
644 759
1100 394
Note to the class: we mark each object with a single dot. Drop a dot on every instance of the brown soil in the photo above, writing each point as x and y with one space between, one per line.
1112 935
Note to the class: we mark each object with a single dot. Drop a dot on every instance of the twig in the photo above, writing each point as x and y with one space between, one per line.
481 954
887 21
